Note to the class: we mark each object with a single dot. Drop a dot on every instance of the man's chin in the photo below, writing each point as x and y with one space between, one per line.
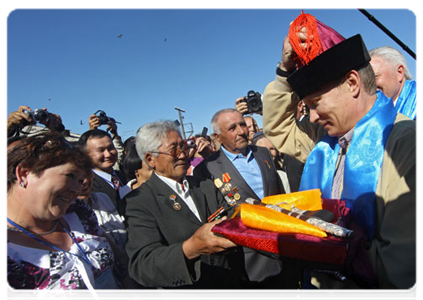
108 168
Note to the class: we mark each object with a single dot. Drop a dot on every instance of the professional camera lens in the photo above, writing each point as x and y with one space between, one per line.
40 115
254 105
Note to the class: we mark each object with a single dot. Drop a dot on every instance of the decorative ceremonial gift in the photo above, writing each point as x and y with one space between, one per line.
264 229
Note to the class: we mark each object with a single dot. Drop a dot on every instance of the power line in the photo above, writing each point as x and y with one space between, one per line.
389 33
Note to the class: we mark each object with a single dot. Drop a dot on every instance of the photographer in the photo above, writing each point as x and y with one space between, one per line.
25 116
250 104
96 121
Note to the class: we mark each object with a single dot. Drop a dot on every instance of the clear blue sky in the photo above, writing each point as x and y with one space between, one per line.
72 63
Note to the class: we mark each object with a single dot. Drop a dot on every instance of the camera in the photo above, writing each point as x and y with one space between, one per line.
253 99
190 142
104 119
38 115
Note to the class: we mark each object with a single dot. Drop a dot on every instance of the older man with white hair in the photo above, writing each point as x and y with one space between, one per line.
170 243
394 79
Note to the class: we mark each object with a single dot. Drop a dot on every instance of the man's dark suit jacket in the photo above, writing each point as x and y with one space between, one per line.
217 164
101 185
259 267
156 232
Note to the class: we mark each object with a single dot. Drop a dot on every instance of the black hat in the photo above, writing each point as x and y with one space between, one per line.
350 54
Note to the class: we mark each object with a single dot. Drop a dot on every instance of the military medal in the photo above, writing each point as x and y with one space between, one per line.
176 205
218 183
267 163
226 177
216 215
237 196
228 187
230 201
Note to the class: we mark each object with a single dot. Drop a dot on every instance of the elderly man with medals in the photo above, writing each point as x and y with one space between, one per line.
170 243
358 149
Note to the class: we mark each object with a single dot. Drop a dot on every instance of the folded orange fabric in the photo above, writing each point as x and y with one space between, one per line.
305 200
261 217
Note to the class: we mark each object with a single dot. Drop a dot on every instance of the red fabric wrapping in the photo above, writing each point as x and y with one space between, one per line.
331 250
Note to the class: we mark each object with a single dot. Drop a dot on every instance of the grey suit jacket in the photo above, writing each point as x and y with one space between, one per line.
156 232
218 164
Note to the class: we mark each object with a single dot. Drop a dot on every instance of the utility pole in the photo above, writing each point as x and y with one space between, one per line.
180 120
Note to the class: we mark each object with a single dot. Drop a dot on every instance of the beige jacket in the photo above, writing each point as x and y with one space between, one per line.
393 251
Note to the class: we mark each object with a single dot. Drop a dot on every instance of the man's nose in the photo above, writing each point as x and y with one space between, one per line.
314 116
108 153
240 130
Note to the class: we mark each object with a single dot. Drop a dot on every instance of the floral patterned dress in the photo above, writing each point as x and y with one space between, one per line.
31 268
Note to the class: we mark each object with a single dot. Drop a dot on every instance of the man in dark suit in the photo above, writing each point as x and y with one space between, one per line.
170 243
250 168
250 171
99 147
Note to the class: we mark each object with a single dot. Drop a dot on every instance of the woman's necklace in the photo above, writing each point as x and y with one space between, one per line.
34 233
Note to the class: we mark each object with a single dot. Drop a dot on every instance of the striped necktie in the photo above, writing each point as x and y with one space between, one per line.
339 173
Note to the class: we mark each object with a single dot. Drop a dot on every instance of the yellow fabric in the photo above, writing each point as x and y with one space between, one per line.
263 218
305 200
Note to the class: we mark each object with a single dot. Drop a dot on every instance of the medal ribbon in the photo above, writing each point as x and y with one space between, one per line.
363 163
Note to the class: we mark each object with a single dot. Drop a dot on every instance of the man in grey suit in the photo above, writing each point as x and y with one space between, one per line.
170 243
250 172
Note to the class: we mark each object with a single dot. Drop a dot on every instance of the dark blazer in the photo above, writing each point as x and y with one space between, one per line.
294 171
260 268
218 164
101 185
156 232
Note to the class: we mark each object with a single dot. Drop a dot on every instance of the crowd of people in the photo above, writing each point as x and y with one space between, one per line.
103 213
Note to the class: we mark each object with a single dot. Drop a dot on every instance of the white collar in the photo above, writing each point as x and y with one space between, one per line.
174 185
103 174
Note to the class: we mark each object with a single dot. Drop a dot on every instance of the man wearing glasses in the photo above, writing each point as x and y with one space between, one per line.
170 243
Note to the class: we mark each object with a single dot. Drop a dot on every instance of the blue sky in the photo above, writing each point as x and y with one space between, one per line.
71 61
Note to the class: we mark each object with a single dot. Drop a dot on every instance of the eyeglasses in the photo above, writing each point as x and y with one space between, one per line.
175 152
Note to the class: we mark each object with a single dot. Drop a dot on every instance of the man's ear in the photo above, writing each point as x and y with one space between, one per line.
150 160
217 137
352 80
400 73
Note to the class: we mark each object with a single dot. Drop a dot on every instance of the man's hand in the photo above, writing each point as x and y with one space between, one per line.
287 61
204 242
241 106
18 119
54 122
94 122
203 146
112 127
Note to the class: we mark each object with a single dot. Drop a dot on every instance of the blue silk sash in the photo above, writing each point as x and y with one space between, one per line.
363 162
406 102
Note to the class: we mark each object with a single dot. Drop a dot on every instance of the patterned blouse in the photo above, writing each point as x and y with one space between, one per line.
31 268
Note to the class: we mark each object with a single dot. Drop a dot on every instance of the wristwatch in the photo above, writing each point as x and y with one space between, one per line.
283 73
